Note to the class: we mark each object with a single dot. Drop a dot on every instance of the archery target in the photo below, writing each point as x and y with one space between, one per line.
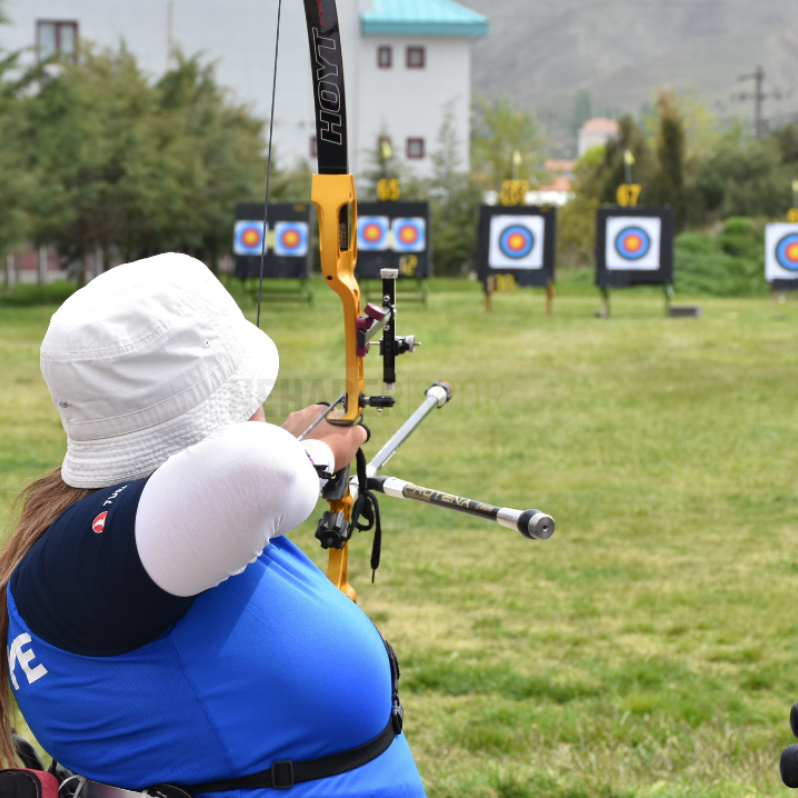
248 238
291 239
516 242
372 233
633 243
781 252
409 235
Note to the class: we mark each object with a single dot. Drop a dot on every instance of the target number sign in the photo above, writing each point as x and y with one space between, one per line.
781 252
633 243
514 192
248 238
291 239
388 189
372 233
502 284
628 194
792 215
516 242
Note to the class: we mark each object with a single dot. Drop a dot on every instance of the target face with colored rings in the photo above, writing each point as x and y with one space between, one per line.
291 239
372 233
781 251
248 238
633 243
516 241
787 252
409 235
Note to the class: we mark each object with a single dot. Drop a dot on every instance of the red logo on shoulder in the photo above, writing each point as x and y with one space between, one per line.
98 524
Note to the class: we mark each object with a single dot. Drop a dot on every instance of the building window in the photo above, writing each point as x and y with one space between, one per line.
415 149
54 37
385 57
416 57
314 149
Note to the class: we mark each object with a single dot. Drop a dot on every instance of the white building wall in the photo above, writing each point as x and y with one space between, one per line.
412 103
239 36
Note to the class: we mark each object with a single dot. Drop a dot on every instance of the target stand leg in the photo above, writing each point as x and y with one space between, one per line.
422 292
668 289
549 297
306 289
604 313
489 289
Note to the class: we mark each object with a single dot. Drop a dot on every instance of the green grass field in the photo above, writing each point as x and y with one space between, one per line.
648 648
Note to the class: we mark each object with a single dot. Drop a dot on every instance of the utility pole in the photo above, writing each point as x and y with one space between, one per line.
170 31
758 96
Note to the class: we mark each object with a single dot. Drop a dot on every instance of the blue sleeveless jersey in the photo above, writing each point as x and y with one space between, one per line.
273 664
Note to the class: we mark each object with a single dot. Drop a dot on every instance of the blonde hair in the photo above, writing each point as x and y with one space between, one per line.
41 503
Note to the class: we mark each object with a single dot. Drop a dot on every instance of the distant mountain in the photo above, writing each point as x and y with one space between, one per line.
542 52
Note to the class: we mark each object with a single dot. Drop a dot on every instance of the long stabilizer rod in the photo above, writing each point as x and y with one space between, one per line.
532 524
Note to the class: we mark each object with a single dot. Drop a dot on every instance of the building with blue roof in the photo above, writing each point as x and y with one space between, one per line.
415 71
422 18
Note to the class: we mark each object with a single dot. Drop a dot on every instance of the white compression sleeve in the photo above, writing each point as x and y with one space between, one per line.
211 509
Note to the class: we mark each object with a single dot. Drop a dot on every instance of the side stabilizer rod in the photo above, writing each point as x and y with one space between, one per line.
436 396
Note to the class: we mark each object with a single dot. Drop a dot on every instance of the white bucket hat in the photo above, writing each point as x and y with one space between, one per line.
147 360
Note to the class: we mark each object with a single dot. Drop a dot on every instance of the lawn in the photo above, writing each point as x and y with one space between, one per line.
646 649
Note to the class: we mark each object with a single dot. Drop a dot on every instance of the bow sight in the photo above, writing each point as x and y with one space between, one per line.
375 320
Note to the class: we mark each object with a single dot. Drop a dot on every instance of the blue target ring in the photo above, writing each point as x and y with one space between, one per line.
632 243
516 242
787 252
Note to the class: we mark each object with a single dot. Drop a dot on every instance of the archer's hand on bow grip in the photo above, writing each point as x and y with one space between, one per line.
332 195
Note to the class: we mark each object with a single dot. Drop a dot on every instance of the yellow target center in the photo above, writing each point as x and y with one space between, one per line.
633 243
251 237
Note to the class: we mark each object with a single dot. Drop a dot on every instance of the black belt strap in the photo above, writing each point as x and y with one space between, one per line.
284 774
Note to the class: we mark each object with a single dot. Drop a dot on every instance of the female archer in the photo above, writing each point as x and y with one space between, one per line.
161 629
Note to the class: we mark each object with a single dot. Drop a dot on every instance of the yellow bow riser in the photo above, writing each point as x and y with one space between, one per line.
333 195
338 562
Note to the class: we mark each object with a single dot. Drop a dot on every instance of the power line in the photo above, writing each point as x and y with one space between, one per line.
758 96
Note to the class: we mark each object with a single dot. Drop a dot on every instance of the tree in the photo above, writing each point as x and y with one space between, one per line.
583 110
382 161
600 175
576 221
19 181
743 177
138 169
506 144
222 158
455 198
671 157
